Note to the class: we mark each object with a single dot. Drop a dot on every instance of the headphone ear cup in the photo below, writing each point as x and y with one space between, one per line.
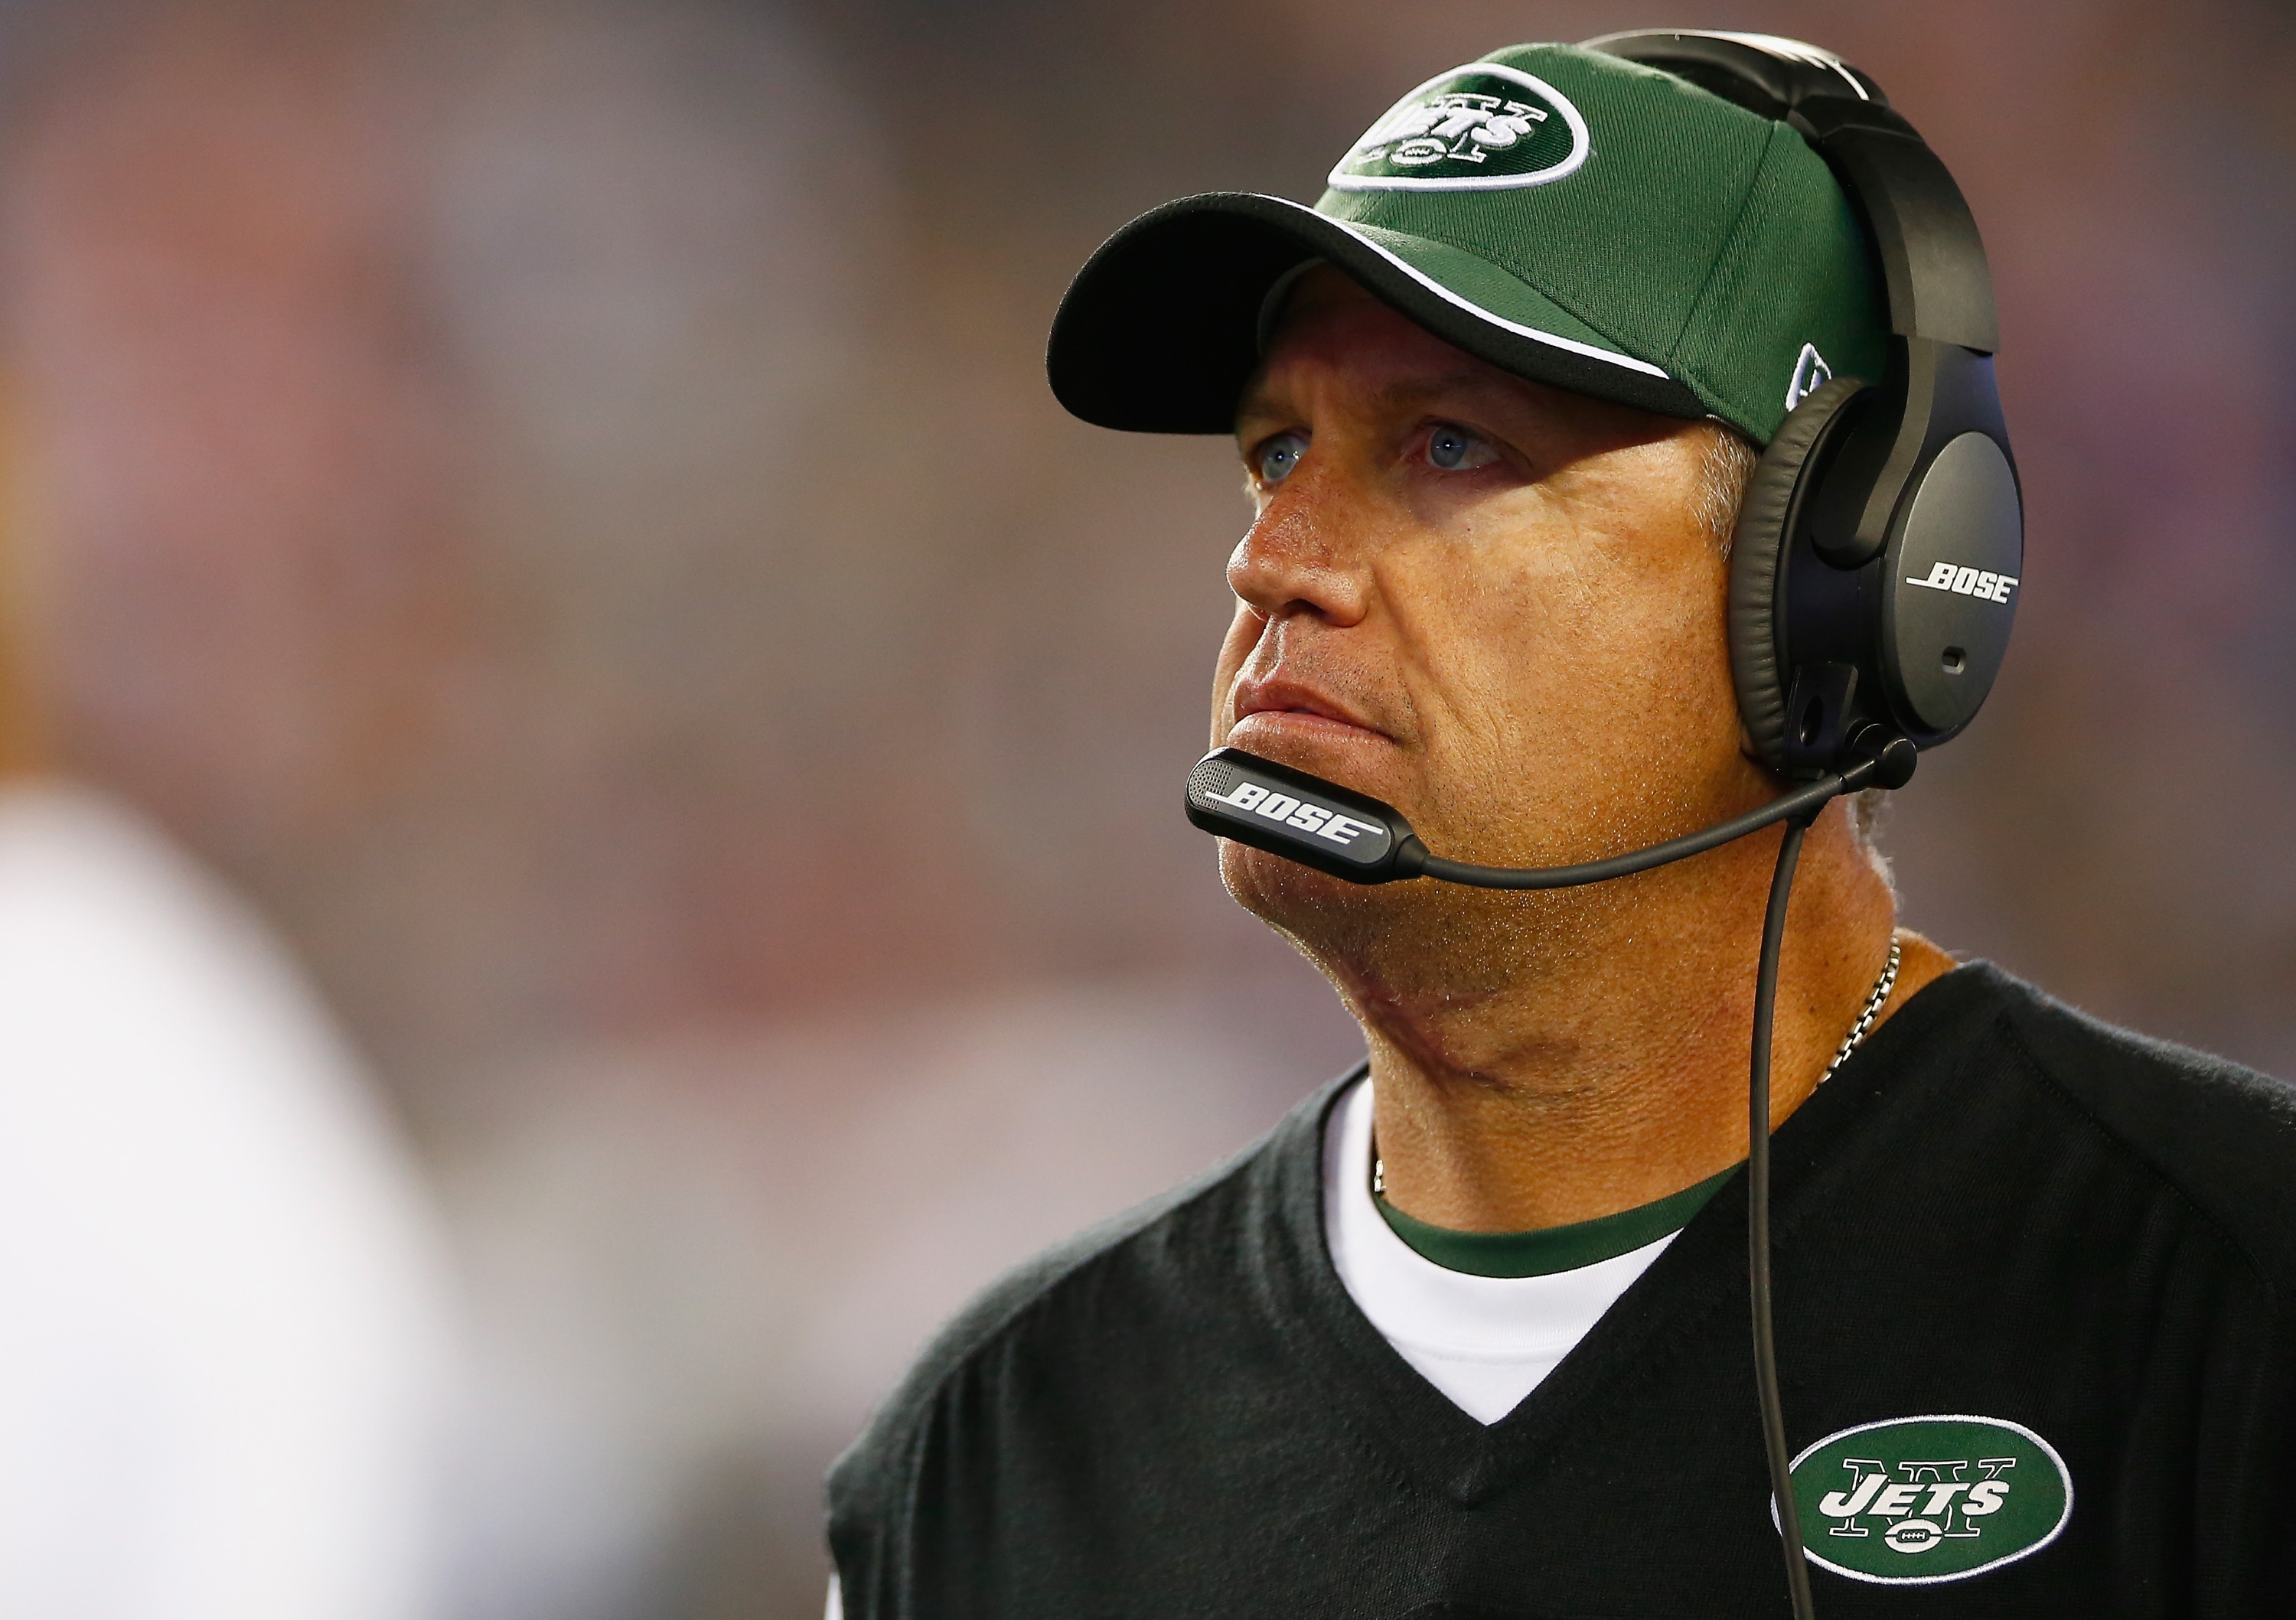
1774 495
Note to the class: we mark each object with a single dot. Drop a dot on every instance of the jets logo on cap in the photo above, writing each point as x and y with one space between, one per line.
1476 127
1912 1501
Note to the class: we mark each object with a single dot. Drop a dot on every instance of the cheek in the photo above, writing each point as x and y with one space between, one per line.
1511 642
1657 685
1586 662
1661 646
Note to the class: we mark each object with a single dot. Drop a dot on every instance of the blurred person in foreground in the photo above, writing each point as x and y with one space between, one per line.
224 1330
1466 1335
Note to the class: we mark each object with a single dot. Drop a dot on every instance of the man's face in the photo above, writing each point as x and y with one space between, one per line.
1489 602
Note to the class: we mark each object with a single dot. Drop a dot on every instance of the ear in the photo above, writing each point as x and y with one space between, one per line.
1758 568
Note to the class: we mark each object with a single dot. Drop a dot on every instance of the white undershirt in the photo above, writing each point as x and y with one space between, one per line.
1486 1342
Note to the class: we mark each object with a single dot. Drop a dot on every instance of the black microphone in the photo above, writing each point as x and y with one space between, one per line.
1289 812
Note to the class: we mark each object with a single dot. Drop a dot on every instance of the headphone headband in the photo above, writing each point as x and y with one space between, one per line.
1932 259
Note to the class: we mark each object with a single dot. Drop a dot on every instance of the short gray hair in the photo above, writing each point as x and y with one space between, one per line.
1729 464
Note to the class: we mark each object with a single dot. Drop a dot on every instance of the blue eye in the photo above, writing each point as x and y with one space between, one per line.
1448 448
1276 458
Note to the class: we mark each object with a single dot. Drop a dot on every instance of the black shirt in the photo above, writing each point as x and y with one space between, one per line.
1999 1216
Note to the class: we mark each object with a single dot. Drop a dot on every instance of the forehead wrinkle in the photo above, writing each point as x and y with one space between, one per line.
1473 378
1389 394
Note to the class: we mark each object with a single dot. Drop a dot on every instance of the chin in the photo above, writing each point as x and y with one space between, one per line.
1276 890
1396 942
1335 924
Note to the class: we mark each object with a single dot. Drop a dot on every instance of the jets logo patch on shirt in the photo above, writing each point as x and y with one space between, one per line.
1474 128
1909 1502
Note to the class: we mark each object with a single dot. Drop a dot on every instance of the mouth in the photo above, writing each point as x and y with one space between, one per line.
1277 708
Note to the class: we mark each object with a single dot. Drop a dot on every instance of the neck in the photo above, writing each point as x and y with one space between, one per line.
1604 1067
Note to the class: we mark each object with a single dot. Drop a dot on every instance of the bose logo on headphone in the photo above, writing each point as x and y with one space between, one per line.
1341 829
1967 582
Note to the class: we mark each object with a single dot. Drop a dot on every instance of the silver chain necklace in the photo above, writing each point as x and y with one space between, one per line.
1858 1031
1865 1024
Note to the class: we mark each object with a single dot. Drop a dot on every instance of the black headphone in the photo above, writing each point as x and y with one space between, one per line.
1876 561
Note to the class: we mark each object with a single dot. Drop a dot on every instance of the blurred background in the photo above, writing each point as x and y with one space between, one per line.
554 503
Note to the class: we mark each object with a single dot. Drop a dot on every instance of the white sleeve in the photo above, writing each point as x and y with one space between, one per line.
223 1335
836 1610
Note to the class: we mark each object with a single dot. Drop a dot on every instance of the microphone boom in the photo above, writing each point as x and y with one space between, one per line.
1298 815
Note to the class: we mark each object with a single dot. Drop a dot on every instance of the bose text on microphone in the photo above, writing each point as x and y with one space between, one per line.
1301 817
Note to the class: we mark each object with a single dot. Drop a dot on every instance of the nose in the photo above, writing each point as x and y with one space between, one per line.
1301 557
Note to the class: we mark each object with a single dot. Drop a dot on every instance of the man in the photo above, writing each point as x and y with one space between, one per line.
1466 1335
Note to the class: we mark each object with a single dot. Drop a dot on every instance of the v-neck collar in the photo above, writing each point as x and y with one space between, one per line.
1380 1397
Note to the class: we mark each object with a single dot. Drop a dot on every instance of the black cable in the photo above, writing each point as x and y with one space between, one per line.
1798 810
1803 802
1758 1219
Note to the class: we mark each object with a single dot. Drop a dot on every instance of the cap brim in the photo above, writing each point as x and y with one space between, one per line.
1160 331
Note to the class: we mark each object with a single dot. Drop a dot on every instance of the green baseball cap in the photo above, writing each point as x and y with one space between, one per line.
1569 216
